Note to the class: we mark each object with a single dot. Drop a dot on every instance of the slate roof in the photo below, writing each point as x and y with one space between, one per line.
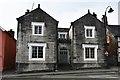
63 29
114 29
35 10
86 15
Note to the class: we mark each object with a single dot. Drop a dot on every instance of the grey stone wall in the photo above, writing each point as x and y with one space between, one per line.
24 36
79 39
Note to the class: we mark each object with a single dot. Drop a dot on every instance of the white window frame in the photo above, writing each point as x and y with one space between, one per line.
37 24
93 31
118 44
90 46
30 51
118 38
119 49
65 33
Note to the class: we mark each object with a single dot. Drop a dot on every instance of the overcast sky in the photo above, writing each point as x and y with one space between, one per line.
65 11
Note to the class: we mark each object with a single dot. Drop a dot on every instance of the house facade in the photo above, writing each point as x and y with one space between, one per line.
36 41
7 49
87 42
41 45
64 48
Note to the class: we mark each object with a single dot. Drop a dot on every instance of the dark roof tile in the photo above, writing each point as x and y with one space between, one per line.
115 29
63 29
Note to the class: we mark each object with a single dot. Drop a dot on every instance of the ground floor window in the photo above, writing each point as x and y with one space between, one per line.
90 52
37 51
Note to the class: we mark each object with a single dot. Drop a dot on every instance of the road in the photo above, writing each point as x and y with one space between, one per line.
107 75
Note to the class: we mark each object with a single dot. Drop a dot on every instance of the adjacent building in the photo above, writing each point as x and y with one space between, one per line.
7 49
115 30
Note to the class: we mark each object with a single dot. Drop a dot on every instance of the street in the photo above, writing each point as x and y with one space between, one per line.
61 79
99 75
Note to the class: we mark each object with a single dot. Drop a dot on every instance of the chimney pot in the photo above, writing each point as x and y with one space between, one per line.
103 19
11 32
27 11
88 11
95 15
38 5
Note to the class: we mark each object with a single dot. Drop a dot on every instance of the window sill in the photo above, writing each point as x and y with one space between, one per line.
36 59
37 34
90 37
90 60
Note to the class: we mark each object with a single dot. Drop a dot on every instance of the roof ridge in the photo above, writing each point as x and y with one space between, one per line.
2 28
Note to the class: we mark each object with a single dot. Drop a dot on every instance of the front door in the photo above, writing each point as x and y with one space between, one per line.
63 56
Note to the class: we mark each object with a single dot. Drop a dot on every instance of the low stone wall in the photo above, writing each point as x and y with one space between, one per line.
87 65
26 67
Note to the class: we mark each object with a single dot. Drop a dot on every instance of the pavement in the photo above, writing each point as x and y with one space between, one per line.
12 73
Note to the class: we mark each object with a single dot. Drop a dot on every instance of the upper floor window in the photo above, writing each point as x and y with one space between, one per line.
37 28
89 31
62 35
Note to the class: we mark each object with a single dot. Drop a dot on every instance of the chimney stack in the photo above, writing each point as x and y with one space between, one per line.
103 19
88 11
27 11
95 15
11 32
38 5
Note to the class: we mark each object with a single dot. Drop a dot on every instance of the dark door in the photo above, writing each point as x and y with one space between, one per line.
63 56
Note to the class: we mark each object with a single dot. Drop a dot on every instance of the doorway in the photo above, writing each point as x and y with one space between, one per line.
63 56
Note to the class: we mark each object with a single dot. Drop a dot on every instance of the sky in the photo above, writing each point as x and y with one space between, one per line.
65 11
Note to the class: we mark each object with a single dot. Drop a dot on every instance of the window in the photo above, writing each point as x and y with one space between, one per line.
89 31
118 44
118 38
62 35
118 49
63 51
38 28
36 51
90 52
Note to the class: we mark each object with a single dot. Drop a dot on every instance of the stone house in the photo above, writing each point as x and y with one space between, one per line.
41 45
36 41
87 42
